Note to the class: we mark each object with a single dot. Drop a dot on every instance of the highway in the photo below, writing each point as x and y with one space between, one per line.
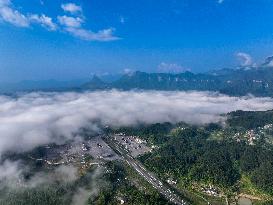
147 175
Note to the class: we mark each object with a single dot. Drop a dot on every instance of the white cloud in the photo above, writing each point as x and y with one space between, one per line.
82 195
11 175
245 59
35 119
170 68
11 15
63 173
128 71
102 35
71 8
68 21
73 25
4 2
268 62
12 180
43 20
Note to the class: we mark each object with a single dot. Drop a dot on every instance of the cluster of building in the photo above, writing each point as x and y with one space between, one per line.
249 137
268 126
171 181
210 190
82 154
253 135
135 145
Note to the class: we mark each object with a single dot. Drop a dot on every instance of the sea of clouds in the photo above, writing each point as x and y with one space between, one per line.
33 119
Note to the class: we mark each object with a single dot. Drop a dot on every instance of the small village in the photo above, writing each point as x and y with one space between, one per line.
253 135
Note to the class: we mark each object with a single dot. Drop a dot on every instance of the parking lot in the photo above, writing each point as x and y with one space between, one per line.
133 144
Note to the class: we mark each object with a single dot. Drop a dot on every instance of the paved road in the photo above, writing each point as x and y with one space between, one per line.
148 176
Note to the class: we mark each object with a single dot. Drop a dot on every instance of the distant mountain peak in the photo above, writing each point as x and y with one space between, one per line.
95 83
96 79
256 80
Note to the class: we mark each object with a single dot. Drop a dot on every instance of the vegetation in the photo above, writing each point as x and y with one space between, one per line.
117 182
195 157
126 185
190 155
42 195
250 119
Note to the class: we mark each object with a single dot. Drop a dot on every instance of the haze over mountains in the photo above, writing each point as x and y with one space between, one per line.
45 85
242 81
255 80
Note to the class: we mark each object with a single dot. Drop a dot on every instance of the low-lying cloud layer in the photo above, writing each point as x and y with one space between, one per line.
35 119
13 183
11 175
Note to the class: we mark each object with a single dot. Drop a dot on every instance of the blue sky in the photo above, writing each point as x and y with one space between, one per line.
46 39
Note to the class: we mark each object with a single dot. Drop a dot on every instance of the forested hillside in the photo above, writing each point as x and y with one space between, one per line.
234 159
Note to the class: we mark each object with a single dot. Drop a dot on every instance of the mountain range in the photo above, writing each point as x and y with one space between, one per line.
257 81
